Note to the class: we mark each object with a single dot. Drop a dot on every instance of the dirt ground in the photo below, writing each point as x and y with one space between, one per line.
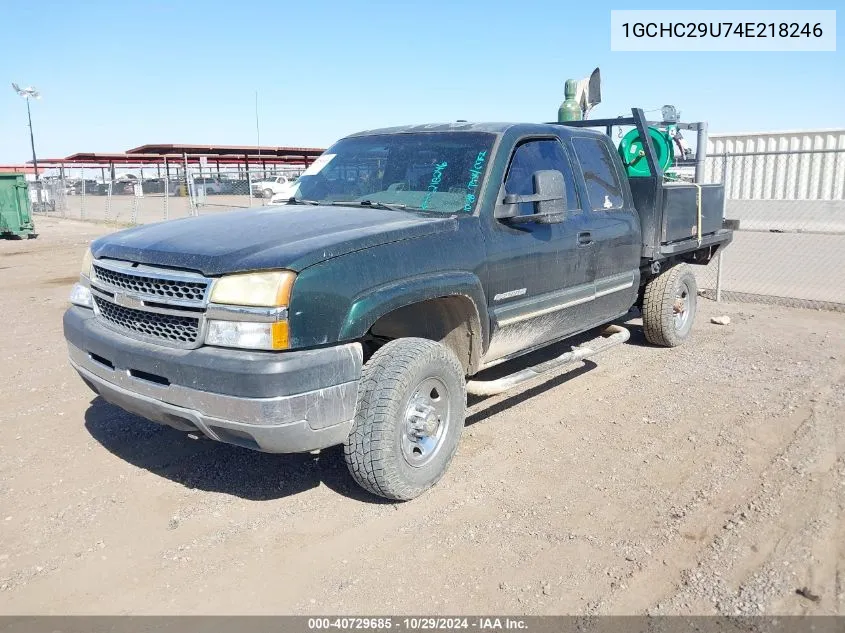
704 479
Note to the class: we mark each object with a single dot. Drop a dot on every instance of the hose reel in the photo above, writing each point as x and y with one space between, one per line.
632 151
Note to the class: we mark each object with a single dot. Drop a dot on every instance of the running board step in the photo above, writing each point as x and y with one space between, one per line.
611 336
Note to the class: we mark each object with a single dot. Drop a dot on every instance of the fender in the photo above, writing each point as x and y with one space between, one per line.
376 302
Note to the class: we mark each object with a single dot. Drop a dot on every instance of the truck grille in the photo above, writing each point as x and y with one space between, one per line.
170 288
177 329
158 305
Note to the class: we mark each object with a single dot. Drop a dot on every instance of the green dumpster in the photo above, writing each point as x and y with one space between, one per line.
15 215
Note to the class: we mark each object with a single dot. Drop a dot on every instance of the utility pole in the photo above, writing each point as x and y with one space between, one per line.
31 93
257 137
257 128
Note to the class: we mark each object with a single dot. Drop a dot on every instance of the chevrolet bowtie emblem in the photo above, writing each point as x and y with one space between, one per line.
128 301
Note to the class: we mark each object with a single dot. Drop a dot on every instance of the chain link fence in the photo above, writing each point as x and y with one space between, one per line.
790 244
143 194
790 205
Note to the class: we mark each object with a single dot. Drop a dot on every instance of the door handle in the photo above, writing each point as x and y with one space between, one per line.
585 238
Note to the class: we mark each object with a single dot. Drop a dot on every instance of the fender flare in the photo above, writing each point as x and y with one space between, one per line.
376 302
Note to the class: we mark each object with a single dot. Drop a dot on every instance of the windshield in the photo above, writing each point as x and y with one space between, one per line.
433 171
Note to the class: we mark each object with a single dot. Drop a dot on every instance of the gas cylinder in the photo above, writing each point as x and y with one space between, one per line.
569 110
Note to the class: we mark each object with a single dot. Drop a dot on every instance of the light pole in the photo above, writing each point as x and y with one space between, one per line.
31 93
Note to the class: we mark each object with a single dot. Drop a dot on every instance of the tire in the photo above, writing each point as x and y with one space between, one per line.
669 306
410 415
267 193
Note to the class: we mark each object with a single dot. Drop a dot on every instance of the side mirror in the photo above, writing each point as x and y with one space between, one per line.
549 200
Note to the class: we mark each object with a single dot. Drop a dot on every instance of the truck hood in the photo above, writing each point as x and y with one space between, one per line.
292 237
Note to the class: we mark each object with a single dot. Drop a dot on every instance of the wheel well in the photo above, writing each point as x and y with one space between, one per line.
452 321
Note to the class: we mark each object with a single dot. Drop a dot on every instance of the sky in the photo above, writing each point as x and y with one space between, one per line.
115 75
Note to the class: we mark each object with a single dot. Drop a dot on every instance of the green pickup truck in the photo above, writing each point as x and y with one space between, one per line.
407 261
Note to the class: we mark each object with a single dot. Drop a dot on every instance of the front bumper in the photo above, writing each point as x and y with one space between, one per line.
277 402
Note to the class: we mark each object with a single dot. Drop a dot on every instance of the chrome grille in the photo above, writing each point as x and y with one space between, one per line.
180 330
159 305
179 289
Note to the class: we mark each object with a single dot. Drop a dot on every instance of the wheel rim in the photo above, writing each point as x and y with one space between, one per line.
682 307
426 421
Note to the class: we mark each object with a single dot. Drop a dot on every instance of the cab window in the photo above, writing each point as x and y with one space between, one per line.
603 187
535 155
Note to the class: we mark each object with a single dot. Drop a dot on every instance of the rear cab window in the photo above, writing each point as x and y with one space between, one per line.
604 187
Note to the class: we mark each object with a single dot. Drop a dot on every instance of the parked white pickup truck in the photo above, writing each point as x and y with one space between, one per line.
286 193
268 188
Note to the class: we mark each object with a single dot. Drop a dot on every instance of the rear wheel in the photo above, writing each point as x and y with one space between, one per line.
669 306
411 405
268 193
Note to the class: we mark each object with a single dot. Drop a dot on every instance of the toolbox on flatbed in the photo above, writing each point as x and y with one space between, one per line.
683 205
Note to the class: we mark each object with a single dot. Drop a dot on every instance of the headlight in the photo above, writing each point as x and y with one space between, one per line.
81 296
248 335
87 264
265 289
264 294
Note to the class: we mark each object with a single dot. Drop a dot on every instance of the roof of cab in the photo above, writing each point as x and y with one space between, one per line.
463 126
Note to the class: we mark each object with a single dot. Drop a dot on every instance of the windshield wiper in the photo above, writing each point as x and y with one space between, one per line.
375 205
302 201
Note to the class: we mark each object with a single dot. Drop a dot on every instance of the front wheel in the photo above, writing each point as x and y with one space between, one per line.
411 407
669 306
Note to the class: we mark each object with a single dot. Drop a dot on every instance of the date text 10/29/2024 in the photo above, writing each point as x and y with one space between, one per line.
478 623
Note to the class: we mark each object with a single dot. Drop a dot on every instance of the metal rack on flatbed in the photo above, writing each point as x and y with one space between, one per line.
664 207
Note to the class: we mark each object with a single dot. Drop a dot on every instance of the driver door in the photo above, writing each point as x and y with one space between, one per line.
538 282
